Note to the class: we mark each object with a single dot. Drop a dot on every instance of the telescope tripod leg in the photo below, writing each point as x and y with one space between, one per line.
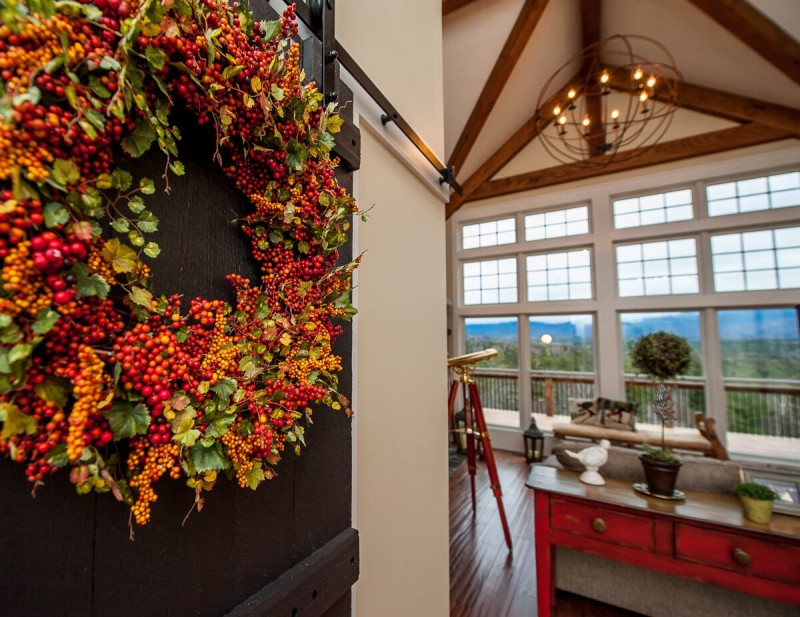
451 403
469 424
488 454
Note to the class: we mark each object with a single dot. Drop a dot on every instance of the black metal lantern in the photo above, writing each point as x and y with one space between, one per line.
534 443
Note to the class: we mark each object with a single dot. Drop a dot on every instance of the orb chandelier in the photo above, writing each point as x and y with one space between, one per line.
619 99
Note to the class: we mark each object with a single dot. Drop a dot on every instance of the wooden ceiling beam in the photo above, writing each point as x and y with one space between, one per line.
590 33
726 105
757 31
448 6
524 135
509 56
665 152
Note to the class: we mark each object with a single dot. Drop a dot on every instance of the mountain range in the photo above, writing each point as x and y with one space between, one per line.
773 324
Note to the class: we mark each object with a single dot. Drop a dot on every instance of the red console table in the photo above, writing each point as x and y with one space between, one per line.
704 537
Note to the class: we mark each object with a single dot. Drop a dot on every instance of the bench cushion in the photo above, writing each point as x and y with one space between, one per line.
680 441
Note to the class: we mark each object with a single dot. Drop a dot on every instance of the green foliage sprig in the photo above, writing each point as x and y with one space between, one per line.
754 490
661 355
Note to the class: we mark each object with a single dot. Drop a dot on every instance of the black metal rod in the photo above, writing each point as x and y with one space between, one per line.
305 14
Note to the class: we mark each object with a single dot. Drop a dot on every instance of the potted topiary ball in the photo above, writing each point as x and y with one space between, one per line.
757 500
662 356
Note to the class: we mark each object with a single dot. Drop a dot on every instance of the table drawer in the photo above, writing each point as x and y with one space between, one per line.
763 558
599 523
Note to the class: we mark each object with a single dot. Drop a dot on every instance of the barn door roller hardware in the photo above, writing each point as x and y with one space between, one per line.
323 12
318 15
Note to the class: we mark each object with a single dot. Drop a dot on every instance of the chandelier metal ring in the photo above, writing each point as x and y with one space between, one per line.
618 101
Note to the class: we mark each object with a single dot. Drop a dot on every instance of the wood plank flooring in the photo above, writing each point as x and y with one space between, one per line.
485 580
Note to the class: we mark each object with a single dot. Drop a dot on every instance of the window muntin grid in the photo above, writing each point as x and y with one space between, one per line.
489 233
654 209
492 281
756 260
754 194
659 268
557 223
566 275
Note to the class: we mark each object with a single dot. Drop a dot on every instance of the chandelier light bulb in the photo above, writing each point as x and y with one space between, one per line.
556 110
586 121
643 97
572 94
637 74
651 82
562 120
604 77
615 114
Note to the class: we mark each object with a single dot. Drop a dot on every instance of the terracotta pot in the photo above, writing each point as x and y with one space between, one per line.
757 510
661 477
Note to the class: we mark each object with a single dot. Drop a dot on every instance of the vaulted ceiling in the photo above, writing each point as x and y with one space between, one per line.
740 60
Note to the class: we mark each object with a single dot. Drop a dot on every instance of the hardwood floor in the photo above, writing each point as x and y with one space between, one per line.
485 580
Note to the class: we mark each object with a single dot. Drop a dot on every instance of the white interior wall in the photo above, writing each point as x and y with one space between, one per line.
400 501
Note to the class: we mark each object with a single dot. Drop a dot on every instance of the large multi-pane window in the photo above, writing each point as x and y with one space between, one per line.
492 281
688 390
658 268
557 223
753 194
653 209
498 379
752 260
562 362
715 259
489 233
761 373
564 275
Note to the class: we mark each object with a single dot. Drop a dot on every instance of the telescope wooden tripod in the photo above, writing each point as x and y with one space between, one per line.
473 415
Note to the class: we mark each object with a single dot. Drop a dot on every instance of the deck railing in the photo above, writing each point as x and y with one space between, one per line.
499 388
551 391
760 407
755 407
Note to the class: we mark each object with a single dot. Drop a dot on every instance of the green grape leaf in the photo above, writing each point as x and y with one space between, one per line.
14 422
141 296
208 458
53 390
65 172
255 476
45 320
140 139
121 257
88 284
127 420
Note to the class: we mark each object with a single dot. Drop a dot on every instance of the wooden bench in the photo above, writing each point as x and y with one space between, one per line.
706 441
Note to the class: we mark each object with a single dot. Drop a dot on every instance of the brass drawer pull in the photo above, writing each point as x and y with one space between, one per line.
742 557
599 525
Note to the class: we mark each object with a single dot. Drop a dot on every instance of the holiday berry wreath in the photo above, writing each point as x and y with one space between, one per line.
96 373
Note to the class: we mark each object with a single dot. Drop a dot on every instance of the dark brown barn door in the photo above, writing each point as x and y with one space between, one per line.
286 549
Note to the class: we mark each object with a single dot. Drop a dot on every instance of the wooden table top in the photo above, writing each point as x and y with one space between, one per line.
706 507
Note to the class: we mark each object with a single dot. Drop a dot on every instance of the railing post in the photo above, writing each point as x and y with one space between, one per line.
548 395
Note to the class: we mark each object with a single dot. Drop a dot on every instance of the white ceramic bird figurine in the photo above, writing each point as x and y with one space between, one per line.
592 458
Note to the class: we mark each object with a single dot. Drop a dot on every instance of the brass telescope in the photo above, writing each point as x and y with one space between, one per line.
462 364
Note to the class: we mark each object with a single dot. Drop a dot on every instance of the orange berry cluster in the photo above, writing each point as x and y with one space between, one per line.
148 463
88 392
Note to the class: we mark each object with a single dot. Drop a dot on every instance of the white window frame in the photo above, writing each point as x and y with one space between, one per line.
602 238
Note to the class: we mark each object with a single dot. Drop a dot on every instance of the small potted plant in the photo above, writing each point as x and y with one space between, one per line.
662 356
756 501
